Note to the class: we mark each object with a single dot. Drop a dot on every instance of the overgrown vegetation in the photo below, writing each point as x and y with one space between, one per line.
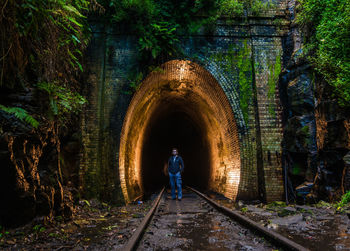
345 201
42 42
236 8
158 24
238 60
340 206
21 114
61 100
327 33
274 73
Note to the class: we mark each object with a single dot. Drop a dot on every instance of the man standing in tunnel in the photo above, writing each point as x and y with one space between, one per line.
174 170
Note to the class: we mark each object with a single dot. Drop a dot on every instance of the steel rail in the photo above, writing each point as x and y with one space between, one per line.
137 235
255 227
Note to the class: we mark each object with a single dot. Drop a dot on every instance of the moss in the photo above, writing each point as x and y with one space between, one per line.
274 72
305 130
244 209
237 63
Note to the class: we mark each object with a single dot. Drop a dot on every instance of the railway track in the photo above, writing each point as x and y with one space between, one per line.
199 223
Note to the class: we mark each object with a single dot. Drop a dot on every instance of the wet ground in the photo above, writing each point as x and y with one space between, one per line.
192 224
317 227
95 226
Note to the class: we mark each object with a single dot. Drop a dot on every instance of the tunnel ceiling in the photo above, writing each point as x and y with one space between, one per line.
185 91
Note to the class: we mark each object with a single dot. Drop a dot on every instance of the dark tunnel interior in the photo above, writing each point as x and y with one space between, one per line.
168 130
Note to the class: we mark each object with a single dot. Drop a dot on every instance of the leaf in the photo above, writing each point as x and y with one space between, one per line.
21 114
87 202
80 66
53 105
76 39
72 9
71 19
154 53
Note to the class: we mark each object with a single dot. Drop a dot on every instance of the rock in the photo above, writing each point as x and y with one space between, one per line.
272 226
290 209
254 209
323 217
301 95
299 134
304 188
303 207
259 211
285 221
286 211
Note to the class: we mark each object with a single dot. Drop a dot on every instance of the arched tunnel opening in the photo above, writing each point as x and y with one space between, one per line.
175 128
182 106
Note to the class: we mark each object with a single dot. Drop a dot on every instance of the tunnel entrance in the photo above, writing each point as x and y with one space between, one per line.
182 106
175 128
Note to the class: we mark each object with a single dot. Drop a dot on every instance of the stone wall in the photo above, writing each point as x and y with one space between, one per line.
316 137
112 57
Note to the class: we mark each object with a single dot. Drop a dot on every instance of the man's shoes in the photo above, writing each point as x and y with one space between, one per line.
179 199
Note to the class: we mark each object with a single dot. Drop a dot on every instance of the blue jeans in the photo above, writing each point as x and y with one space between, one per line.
175 178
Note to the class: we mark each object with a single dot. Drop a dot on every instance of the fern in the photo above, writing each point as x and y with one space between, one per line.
21 114
62 100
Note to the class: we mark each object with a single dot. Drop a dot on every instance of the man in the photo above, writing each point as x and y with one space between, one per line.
174 170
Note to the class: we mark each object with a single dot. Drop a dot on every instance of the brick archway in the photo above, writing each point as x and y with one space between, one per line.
185 88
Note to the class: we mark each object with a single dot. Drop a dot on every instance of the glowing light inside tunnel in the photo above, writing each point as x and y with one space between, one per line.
185 88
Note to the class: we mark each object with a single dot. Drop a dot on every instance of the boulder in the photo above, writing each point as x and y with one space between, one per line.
300 93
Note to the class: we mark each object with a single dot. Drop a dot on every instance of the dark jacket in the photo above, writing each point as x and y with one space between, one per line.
174 166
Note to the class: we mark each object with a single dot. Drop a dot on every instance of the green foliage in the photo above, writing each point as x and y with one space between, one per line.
305 130
21 114
259 6
157 23
238 60
44 43
87 203
160 38
244 209
245 79
327 26
236 8
135 80
39 31
62 100
274 72
232 8
345 201
275 204
296 170
38 229
54 235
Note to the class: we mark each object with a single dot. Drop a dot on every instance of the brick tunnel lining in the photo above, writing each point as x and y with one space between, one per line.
173 126
190 90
